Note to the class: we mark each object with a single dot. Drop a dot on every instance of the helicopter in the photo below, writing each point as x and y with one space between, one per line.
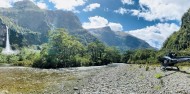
171 59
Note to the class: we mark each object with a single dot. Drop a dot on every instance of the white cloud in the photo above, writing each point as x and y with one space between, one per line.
129 2
4 4
7 3
91 7
99 22
121 11
162 10
95 22
115 26
42 5
68 5
135 12
155 35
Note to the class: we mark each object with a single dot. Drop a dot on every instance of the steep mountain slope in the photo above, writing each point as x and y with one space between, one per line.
19 35
26 15
119 39
180 40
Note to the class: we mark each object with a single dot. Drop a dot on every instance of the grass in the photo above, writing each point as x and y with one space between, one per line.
160 85
187 64
26 63
21 82
157 87
147 68
140 66
71 78
141 76
25 81
158 75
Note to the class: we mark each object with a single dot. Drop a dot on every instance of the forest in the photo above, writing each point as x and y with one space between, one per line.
64 50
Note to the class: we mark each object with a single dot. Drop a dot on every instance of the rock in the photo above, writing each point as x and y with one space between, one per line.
75 88
175 82
76 93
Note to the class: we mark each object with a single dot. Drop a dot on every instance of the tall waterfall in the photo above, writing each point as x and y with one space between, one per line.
8 47
8 50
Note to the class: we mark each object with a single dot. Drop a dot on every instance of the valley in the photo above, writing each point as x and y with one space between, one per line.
66 51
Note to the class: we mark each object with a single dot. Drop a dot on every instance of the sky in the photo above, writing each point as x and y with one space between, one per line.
150 20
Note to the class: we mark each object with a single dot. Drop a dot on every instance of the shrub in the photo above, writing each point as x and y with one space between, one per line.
147 68
25 63
158 76
83 61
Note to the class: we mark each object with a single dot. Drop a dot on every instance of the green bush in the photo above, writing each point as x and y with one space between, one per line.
147 68
158 76
3 58
140 56
26 63
83 61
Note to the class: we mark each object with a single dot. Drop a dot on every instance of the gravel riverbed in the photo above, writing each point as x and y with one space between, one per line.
110 79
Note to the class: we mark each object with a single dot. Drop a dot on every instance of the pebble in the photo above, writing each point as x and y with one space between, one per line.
75 88
125 78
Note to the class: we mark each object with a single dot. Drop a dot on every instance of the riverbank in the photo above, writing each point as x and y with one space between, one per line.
110 79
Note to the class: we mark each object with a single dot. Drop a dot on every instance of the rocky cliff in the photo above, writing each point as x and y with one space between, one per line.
118 39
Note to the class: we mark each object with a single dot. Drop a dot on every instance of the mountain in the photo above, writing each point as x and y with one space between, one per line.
119 39
180 40
30 24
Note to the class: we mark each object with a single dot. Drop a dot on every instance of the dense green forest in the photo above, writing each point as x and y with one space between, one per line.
64 50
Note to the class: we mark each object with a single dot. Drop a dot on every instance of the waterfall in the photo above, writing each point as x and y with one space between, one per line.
8 50
8 47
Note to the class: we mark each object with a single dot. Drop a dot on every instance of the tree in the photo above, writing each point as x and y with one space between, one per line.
140 56
64 50
61 50
112 55
127 56
96 50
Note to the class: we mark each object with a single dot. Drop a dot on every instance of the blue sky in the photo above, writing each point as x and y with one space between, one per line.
127 21
151 20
